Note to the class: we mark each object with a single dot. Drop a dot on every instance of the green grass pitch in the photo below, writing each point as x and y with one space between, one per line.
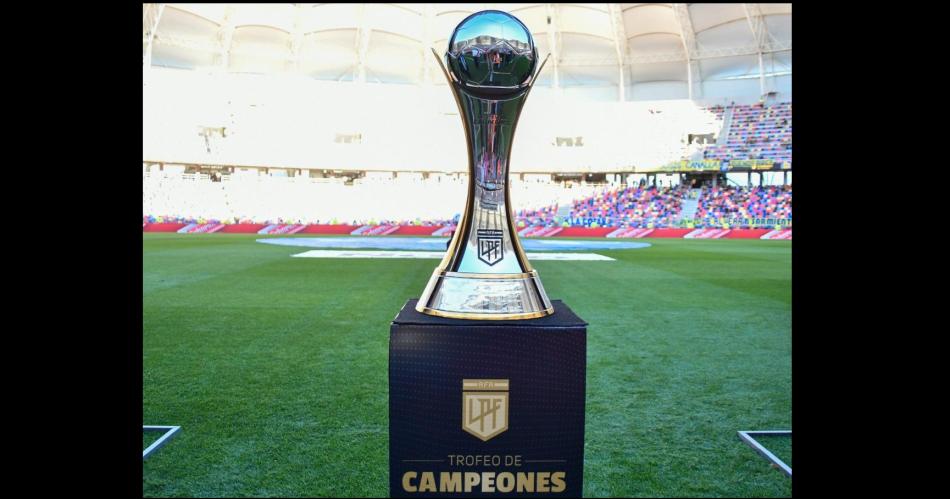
276 367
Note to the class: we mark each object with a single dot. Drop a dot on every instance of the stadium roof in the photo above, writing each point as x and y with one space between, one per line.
591 44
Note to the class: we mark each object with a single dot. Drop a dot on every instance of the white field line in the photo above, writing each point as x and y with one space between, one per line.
590 257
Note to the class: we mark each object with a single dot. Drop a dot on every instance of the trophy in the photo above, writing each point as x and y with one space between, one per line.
485 274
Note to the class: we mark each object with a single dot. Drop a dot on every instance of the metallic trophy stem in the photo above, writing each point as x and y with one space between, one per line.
485 274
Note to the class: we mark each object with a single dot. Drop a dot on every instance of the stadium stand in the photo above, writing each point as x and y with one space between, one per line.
757 132
630 207
253 199
194 203
233 141
744 204
543 216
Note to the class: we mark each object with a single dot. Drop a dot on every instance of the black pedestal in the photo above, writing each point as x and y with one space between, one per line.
486 408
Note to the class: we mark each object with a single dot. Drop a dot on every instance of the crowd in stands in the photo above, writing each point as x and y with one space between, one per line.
718 111
731 203
652 207
542 216
631 207
193 199
756 132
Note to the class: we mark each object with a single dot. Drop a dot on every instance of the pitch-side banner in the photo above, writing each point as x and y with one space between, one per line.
753 164
713 165
685 166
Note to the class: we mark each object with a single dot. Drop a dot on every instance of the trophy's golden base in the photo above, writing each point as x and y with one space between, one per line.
461 295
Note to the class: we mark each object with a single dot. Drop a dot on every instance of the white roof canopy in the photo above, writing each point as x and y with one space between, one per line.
591 44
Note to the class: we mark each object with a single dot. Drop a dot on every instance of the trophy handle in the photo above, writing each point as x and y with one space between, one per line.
463 221
536 75
441 64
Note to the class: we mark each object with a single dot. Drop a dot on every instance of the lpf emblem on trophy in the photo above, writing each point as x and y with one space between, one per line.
485 407
490 246
492 64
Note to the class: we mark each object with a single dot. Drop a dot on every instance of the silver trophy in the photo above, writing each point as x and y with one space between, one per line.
485 274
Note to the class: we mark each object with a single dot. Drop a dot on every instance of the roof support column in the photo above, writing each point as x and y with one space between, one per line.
761 34
622 85
690 46
296 41
151 18
620 45
362 45
224 36
554 40
427 42
689 78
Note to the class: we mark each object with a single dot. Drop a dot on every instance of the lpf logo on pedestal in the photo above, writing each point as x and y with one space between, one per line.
485 407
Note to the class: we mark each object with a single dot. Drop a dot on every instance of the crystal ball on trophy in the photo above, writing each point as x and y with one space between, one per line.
485 275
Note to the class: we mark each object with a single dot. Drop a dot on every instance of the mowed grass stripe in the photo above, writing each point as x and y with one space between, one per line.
276 367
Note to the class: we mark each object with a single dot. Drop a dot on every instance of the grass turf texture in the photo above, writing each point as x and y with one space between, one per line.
149 437
276 367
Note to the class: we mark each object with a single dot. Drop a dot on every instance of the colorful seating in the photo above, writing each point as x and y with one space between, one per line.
642 207
718 204
756 132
